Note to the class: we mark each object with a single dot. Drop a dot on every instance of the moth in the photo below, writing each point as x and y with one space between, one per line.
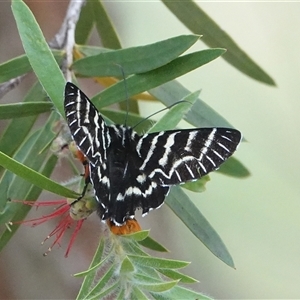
130 171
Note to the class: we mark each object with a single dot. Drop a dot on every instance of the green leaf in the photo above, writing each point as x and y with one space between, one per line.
13 137
85 23
104 26
154 262
88 50
8 186
178 292
126 266
23 109
112 290
158 287
20 65
4 199
130 105
146 275
194 18
197 186
39 54
135 59
17 212
134 248
200 115
189 214
89 278
142 82
233 167
13 68
178 276
101 283
121 295
141 277
150 243
91 270
138 294
137 236
175 114
32 154
34 177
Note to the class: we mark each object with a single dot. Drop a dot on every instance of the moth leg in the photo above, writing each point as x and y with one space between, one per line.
82 158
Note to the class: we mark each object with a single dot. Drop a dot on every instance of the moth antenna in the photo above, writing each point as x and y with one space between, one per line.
126 93
161 110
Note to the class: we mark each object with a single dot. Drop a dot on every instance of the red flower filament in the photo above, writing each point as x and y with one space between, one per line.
66 221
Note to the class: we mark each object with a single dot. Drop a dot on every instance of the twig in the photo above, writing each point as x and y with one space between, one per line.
7 86
65 38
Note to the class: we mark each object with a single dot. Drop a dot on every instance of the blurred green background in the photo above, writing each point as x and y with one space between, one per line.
258 218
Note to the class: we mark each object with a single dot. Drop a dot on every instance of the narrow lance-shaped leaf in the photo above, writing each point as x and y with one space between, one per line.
8 186
112 290
121 295
34 177
176 113
93 269
126 266
30 154
197 186
154 262
159 287
135 59
87 50
138 294
18 212
177 275
190 215
141 82
233 167
137 236
105 27
134 248
178 292
85 23
100 285
20 65
144 278
89 278
150 243
200 115
3 194
13 137
23 109
39 54
194 18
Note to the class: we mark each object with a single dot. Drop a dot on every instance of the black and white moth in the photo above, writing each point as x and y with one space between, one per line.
130 171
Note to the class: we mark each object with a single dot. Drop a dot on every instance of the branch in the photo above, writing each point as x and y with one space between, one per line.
7 86
65 38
